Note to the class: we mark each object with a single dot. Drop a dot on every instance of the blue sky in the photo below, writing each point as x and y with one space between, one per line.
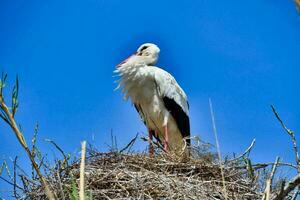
244 55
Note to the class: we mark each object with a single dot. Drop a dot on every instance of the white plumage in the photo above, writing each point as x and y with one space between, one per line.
158 98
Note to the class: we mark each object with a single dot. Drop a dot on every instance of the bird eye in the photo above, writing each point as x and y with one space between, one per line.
143 48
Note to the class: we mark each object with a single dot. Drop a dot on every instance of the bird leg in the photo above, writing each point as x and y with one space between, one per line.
166 143
151 148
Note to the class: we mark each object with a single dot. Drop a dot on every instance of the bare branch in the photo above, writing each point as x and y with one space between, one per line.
15 178
268 190
280 164
293 138
11 183
291 134
129 145
60 186
59 149
290 186
247 151
295 193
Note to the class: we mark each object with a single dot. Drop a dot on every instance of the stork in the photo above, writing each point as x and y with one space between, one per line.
160 101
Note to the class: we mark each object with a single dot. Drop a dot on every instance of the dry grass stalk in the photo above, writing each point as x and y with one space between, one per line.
218 149
82 170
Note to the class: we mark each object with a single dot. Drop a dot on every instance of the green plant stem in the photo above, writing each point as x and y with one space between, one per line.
23 143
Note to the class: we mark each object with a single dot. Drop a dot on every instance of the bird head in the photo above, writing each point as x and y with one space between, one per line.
146 54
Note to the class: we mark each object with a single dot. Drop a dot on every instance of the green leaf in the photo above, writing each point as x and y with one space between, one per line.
2 82
15 93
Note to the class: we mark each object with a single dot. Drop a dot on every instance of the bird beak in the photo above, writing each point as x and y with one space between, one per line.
124 61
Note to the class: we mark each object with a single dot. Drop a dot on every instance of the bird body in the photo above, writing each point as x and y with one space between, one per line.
160 101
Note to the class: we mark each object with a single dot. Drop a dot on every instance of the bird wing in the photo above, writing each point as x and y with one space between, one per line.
175 100
140 111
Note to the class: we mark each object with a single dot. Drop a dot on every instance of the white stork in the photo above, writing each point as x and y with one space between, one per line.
157 97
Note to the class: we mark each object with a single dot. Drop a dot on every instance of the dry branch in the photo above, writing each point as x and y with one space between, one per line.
268 190
290 186
246 152
291 134
294 183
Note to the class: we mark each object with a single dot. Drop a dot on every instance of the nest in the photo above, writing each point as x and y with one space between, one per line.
137 176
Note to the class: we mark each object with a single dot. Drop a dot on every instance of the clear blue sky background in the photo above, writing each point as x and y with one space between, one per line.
244 55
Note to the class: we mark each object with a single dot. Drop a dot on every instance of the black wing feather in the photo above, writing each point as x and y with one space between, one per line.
181 118
140 111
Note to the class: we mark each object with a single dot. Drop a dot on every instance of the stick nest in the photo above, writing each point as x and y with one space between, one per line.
138 176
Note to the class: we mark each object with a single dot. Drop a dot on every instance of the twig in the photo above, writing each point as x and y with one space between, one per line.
60 150
34 149
247 151
60 186
15 177
291 134
291 185
82 165
282 186
4 165
295 193
264 165
156 144
218 148
11 183
25 184
129 145
267 193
